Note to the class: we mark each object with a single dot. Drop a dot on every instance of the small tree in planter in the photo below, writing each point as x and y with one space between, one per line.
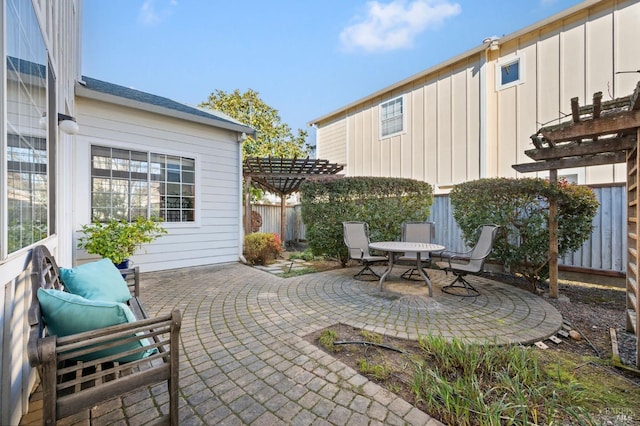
118 240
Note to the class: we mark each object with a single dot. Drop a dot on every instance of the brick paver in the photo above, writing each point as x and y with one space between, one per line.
244 359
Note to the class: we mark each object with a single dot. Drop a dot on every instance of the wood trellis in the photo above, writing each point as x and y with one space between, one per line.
601 133
283 177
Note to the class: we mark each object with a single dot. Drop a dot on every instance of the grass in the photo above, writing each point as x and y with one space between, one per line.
297 272
492 385
378 371
306 255
372 337
326 340
466 384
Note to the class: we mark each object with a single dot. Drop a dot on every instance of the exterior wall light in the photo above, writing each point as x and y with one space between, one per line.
68 124
493 43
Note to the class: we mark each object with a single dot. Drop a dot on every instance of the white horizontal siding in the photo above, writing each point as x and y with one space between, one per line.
214 237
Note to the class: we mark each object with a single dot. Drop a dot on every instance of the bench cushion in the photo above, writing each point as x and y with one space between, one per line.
99 280
66 314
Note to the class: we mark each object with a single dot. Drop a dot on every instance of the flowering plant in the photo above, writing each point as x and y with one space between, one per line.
261 248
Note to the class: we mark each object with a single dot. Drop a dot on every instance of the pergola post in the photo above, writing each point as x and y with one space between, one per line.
247 205
283 217
553 238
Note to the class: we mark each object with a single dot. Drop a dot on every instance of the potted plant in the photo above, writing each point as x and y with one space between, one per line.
118 240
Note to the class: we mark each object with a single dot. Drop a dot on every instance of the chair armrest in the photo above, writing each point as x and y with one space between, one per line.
132 278
447 254
84 386
451 255
356 253
156 330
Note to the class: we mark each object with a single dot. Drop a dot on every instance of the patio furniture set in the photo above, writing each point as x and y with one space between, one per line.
417 249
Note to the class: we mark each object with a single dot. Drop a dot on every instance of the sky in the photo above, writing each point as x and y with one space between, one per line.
306 58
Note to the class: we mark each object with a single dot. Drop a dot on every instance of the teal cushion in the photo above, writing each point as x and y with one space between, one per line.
65 314
99 280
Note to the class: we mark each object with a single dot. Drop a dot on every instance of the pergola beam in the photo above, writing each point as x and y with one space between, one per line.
571 162
283 177
573 149
612 123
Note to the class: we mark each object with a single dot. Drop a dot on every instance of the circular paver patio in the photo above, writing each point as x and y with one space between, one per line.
244 359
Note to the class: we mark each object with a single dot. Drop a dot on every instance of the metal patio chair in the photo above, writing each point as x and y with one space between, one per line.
470 262
356 238
416 232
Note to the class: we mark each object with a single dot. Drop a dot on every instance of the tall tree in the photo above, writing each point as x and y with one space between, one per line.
273 138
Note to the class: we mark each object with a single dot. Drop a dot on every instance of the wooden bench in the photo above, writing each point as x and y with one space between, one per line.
70 386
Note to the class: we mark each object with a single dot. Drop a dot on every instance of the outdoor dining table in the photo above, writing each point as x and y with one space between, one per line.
392 247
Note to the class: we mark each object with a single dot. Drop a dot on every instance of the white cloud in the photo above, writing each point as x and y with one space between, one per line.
152 14
390 26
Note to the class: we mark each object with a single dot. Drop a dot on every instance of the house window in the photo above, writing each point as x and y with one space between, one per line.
509 73
391 117
128 184
29 141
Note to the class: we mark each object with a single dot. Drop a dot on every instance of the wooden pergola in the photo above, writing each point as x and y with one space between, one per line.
600 133
283 177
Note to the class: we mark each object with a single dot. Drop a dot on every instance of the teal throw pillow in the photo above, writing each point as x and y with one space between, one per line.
99 280
65 314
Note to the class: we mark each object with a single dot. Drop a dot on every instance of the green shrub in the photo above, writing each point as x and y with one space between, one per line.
117 239
521 208
261 248
384 203
307 255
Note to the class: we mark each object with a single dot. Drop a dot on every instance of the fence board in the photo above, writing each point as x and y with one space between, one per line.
270 213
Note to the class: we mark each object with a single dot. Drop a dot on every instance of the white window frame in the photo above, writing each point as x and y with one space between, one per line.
507 62
150 151
403 117
34 54
575 175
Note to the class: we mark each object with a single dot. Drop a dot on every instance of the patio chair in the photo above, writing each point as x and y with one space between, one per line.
416 232
470 262
356 238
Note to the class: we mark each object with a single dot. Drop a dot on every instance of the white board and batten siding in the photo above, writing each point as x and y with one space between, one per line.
214 237
439 141
333 134
572 57
461 125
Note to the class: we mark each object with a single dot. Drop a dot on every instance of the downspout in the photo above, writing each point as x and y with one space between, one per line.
244 201
491 43
482 157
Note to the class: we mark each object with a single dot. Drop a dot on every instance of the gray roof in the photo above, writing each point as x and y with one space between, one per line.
112 93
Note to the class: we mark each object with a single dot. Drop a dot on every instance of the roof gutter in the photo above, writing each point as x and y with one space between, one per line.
87 93
476 50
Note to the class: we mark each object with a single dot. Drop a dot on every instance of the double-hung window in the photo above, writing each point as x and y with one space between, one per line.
391 117
126 184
